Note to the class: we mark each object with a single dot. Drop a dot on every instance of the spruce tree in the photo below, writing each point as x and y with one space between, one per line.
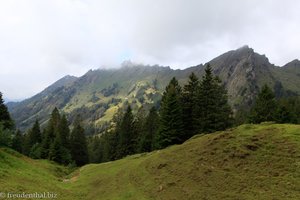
110 143
213 108
171 130
64 132
5 118
190 106
284 115
17 143
34 141
224 112
35 134
127 136
59 153
95 149
140 120
265 106
146 143
33 137
50 133
79 149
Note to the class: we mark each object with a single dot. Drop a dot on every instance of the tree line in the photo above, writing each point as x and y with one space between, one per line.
200 106
55 142
268 108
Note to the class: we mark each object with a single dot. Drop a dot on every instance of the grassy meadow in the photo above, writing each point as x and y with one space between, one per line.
248 162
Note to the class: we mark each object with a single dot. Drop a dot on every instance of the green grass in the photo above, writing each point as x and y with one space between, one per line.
248 162
21 174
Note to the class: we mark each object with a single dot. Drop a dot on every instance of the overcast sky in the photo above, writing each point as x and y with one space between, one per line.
42 41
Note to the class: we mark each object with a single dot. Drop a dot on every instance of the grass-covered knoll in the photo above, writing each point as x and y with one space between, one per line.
19 173
248 162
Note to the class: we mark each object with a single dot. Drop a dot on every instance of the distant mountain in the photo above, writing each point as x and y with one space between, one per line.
98 94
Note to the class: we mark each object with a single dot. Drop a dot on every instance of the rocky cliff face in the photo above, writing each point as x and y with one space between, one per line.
243 72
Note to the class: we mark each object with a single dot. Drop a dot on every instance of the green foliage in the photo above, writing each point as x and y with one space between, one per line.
232 160
200 107
50 132
79 149
214 110
288 110
35 151
95 149
149 132
171 125
5 136
55 143
17 142
127 135
64 132
190 106
33 138
59 153
109 142
5 118
265 106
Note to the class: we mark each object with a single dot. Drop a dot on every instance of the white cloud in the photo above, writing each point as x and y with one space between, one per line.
41 41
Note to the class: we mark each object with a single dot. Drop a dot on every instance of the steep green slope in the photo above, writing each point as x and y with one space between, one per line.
21 174
248 162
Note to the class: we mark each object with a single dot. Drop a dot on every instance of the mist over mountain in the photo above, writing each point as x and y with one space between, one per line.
98 94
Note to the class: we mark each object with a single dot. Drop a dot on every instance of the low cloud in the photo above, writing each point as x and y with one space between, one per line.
41 41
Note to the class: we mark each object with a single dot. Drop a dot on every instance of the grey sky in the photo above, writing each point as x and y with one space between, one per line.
41 41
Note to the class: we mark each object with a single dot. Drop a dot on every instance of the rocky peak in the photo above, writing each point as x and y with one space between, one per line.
294 63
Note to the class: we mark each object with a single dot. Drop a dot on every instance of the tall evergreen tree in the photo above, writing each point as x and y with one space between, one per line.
214 110
190 106
111 138
50 133
17 143
5 118
58 152
79 149
64 132
32 138
171 126
110 143
127 136
95 149
146 143
35 135
265 106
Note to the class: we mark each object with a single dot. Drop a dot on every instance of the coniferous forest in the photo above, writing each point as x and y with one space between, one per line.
144 100
198 107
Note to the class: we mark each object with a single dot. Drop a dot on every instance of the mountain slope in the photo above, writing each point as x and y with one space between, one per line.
248 162
98 94
289 76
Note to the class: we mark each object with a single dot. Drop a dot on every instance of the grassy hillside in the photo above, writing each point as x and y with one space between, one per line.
248 162
21 174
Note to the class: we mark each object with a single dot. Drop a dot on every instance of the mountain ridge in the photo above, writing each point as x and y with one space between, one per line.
98 94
